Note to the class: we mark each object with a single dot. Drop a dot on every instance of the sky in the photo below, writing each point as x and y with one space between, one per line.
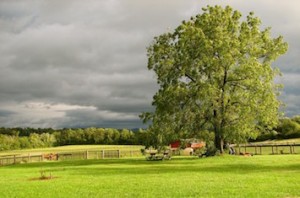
75 63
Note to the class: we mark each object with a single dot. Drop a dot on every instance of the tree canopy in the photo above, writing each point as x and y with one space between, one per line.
214 74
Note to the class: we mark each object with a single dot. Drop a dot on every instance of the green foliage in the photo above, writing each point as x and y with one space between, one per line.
296 119
35 140
287 128
24 143
214 73
126 137
18 131
8 142
10 139
95 136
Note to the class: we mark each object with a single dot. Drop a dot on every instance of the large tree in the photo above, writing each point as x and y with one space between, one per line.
214 73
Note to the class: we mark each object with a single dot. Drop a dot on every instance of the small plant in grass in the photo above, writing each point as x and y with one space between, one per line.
44 176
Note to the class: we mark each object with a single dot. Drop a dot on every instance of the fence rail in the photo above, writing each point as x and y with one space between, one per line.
93 154
262 149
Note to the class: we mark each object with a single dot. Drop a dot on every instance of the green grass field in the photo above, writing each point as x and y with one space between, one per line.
71 148
284 141
268 150
224 176
276 150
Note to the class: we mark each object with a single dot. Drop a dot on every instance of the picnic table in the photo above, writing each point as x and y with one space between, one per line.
155 156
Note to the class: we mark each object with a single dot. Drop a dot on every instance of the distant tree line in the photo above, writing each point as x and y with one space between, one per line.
287 128
21 138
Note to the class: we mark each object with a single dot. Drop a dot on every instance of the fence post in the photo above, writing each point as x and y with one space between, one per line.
260 149
272 150
87 154
29 157
119 153
291 151
15 160
294 148
102 154
130 153
255 150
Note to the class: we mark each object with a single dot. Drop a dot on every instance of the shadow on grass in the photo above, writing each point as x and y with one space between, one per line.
92 162
230 165
81 162
230 169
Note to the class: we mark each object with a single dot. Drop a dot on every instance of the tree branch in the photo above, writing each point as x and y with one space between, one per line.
189 77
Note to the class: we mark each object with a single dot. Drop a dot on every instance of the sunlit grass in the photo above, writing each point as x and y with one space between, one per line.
225 176
71 148
284 141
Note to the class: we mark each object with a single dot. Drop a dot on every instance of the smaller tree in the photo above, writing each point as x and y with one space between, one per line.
35 140
288 128
48 139
99 136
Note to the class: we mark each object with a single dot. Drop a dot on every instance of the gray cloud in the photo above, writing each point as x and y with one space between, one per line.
83 63
5 113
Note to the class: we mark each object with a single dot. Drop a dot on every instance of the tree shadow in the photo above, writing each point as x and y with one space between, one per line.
230 169
140 166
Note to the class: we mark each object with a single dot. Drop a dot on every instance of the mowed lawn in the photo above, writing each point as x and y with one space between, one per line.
224 176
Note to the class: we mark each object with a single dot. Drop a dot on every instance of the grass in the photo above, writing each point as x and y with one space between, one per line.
70 148
276 149
268 150
284 141
224 176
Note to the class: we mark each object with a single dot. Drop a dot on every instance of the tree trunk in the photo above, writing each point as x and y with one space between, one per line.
219 140
222 145
219 143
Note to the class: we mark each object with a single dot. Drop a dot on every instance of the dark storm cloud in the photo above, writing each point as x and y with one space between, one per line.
83 63
84 118
5 113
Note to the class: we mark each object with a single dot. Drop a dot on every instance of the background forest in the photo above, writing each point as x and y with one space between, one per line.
21 138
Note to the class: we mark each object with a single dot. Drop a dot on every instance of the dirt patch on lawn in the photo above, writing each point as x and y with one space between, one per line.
43 178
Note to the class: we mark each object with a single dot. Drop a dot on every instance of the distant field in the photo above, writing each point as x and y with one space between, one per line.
277 149
225 176
71 148
268 150
285 141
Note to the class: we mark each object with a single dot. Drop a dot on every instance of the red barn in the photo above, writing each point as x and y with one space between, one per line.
175 145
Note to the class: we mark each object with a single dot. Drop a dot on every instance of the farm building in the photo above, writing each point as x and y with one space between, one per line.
188 146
